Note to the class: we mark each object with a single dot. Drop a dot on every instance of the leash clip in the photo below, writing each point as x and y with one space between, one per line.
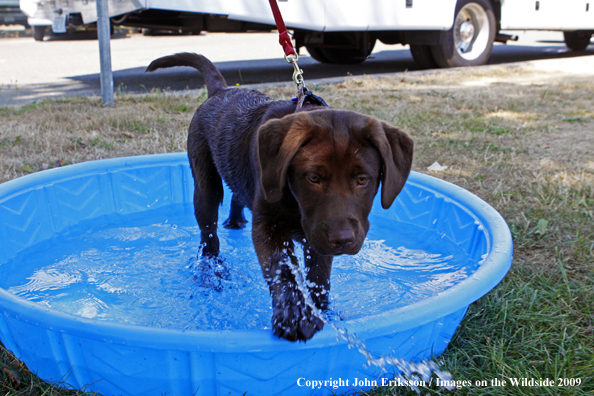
304 95
297 72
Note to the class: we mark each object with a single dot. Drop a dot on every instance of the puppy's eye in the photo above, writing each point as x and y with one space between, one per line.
362 180
315 179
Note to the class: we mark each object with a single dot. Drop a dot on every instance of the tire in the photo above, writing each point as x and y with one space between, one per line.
315 53
470 41
578 40
38 32
423 57
343 48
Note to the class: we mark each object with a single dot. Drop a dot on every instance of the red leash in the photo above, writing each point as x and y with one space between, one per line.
303 94
284 39
285 42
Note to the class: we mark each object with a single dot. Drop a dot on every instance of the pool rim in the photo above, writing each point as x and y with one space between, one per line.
459 296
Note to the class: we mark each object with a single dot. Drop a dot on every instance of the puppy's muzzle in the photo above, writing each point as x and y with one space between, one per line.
336 237
341 239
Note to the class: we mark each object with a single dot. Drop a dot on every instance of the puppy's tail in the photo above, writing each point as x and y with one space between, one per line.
213 78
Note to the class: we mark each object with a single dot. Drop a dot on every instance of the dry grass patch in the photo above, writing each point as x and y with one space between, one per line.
62 132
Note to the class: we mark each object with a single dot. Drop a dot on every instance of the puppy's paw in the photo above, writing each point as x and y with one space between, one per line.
234 224
211 272
292 319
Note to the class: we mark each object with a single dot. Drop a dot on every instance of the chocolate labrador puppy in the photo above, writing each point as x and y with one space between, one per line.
308 176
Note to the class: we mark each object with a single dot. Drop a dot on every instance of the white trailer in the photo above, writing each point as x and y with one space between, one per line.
441 33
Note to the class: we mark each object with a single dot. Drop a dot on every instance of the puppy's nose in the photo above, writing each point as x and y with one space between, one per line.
341 238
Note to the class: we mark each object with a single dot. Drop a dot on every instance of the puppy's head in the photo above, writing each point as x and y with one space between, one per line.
333 162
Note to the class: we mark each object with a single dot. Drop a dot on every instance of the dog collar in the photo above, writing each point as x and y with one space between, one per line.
307 97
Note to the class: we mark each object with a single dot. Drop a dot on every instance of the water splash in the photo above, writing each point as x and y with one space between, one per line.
407 372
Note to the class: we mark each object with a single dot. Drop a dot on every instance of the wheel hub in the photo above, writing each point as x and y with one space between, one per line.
466 31
471 31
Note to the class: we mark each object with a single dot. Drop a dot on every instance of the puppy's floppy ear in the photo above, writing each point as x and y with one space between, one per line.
396 149
277 143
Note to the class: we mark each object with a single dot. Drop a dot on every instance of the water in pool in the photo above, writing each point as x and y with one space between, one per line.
141 270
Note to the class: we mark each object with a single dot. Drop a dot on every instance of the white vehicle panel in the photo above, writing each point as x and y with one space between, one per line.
29 7
88 8
203 6
547 14
350 15
297 14
344 15
39 22
578 14
340 15
422 15
43 10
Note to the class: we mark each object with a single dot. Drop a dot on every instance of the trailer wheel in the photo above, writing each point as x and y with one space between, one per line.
423 57
578 40
38 32
470 41
343 48
315 53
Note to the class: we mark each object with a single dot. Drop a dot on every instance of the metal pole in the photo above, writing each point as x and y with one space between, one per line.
103 31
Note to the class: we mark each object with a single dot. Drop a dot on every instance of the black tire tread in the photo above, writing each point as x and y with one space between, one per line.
423 57
578 40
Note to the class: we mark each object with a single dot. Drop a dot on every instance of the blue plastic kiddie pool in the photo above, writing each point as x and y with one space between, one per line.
98 286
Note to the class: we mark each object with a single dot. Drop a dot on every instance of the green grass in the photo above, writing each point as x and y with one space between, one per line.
525 149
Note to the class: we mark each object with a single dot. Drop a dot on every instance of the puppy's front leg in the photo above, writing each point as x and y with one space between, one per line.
292 318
